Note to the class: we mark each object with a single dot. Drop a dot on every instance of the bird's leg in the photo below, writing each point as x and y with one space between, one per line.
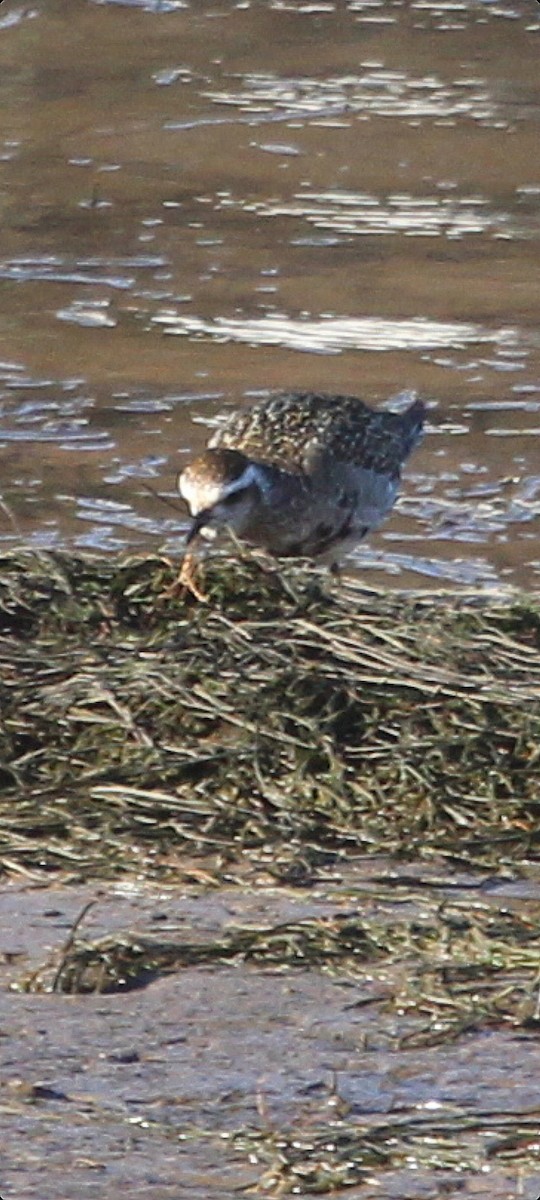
190 578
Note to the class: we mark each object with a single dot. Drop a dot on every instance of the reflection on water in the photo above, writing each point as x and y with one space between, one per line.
387 228
385 93
344 212
332 334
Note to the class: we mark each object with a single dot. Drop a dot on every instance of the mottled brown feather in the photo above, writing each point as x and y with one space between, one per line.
292 429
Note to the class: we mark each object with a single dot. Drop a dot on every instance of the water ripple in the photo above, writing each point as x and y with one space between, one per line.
383 93
348 212
332 335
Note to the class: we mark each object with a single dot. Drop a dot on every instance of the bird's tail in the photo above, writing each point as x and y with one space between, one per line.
413 423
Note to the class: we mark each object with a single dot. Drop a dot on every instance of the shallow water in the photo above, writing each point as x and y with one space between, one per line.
201 201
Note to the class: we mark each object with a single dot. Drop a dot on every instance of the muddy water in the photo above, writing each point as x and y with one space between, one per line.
202 200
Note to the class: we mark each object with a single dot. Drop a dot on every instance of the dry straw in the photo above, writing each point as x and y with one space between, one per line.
291 718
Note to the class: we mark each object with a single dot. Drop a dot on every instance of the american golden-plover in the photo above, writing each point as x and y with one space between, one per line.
299 474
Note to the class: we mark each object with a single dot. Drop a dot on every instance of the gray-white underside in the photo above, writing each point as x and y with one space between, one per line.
297 515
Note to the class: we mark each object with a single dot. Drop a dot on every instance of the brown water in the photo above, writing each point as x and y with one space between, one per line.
202 200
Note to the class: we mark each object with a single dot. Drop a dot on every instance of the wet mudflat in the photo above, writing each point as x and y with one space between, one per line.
276 1073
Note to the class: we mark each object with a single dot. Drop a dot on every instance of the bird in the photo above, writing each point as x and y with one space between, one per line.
299 474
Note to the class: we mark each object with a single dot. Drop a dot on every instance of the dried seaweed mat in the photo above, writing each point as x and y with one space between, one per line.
292 717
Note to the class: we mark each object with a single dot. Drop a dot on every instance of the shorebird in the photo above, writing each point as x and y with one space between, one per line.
299 474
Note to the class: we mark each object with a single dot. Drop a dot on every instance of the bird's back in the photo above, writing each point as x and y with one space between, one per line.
295 429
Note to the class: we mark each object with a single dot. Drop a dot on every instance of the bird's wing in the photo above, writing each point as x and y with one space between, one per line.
301 431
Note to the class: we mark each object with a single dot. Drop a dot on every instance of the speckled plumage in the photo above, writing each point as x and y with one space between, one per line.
288 429
298 473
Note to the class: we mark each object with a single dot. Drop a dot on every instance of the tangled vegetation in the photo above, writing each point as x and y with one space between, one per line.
293 717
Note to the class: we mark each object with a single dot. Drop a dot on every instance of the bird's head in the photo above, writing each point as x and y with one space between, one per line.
222 488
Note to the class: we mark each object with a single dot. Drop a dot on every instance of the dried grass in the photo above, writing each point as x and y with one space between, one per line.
294 717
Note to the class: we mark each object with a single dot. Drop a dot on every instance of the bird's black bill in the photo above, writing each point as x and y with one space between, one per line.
196 525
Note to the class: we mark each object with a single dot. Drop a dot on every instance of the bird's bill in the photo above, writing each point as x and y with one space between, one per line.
197 524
